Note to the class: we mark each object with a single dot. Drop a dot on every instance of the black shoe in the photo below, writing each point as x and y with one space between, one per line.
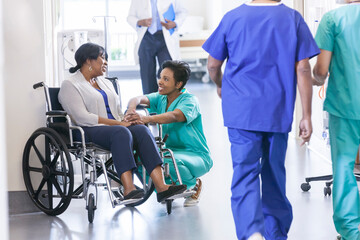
135 194
173 190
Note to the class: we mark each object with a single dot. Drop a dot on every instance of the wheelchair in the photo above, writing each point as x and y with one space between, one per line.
49 155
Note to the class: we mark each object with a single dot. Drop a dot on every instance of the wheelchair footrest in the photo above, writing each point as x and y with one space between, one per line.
185 194
119 198
116 192
118 202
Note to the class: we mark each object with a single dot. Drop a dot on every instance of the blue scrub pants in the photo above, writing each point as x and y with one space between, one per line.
152 46
267 211
344 141
122 141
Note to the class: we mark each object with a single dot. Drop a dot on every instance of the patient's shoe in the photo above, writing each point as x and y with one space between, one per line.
194 199
256 236
173 190
135 194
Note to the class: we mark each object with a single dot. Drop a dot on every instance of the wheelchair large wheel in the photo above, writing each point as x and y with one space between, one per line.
48 171
148 187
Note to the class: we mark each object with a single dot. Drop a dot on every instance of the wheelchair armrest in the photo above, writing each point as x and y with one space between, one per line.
141 107
82 134
56 113
111 78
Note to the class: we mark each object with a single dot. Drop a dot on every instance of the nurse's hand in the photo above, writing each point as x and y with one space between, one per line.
305 128
131 116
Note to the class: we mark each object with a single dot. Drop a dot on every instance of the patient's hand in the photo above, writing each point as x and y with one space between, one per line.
132 116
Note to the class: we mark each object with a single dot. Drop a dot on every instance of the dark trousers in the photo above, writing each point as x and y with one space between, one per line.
259 208
151 47
122 141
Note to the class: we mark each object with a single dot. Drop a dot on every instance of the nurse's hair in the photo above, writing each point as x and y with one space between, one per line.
180 69
87 51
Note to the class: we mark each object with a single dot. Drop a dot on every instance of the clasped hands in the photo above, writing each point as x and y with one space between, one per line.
135 118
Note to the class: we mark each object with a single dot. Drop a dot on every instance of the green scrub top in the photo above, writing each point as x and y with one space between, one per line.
339 32
183 136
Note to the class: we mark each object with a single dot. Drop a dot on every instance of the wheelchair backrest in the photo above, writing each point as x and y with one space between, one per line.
53 95
59 124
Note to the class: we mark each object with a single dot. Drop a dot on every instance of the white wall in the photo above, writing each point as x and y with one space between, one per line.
24 65
195 7
3 186
211 10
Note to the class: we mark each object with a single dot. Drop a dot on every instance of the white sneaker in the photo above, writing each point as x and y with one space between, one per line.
256 236
194 199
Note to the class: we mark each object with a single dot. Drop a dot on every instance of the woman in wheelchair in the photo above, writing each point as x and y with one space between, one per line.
92 103
179 112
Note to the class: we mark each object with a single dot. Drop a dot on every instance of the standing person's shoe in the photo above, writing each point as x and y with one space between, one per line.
194 199
256 236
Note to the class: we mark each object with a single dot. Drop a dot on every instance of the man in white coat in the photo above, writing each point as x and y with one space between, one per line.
157 36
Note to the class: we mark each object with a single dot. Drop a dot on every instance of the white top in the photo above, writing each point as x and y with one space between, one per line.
141 9
84 103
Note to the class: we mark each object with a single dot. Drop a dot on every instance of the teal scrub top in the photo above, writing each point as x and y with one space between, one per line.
339 32
183 136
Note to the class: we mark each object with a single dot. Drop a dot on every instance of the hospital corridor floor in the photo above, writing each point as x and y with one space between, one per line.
212 218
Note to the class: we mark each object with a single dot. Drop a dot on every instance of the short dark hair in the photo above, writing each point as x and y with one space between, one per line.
85 52
180 69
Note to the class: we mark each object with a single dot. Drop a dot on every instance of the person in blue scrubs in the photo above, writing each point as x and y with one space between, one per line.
338 38
267 47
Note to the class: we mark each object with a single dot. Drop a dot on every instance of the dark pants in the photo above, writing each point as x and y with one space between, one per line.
122 141
151 47
264 209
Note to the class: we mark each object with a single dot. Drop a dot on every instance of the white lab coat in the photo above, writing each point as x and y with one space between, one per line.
141 9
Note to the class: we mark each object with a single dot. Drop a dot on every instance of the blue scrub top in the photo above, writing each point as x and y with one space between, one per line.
261 45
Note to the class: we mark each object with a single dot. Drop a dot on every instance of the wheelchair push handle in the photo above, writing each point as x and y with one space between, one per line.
37 85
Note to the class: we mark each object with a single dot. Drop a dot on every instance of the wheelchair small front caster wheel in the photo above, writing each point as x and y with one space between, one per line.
327 191
91 208
168 206
305 187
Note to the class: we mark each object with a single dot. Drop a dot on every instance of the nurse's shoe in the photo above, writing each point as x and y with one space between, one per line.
256 236
194 199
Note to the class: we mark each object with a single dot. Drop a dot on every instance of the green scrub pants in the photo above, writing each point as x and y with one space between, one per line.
344 141
191 166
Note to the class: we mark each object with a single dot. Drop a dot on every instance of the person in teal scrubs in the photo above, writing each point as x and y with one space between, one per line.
338 38
179 112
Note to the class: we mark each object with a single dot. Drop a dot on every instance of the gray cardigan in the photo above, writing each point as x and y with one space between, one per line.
84 103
